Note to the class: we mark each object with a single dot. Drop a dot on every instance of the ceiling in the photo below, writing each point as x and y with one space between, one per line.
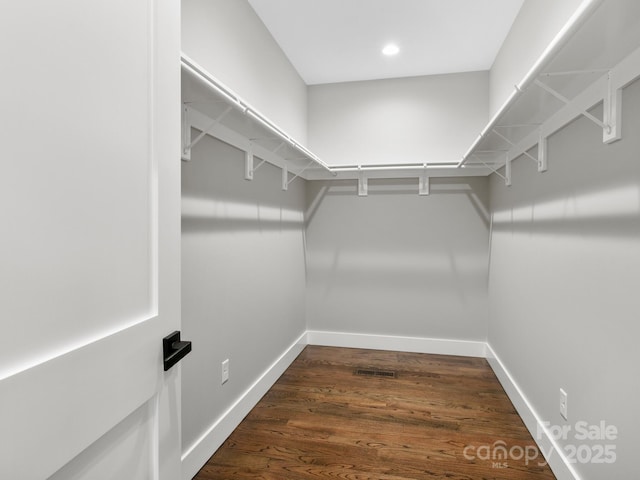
331 41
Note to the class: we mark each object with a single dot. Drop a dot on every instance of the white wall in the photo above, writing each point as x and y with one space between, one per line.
395 263
228 39
406 120
243 278
535 27
564 277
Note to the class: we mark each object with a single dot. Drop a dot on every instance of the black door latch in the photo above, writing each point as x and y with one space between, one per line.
173 349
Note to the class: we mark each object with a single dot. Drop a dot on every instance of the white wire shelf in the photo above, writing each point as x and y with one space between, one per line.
214 109
588 63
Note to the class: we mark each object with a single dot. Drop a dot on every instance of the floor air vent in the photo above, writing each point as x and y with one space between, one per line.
373 372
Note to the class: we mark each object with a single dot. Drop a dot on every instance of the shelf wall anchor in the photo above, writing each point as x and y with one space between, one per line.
285 178
249 160
363 184
612 107
424 183
186 134
542 153
248 163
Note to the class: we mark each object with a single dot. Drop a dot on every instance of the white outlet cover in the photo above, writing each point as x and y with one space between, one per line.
225 371
563 404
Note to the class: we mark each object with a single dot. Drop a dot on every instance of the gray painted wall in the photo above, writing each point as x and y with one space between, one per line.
405 120
564 277
243 278
397 263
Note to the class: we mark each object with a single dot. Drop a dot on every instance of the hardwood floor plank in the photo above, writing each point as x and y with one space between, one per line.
441 417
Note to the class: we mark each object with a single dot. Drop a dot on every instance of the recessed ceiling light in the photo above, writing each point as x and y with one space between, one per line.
390 50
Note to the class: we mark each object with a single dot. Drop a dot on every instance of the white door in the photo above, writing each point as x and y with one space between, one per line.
89 238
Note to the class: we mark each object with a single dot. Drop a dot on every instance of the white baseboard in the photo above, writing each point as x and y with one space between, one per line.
399 344
553 453
201 450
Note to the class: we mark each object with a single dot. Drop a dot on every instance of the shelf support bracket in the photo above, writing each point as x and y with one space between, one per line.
424 183
187 149
262 162
513 145
249 168
612 112
186 134
507 172
363 183
275 150
285 178
493 170
566 101
300 172
248 163
542 153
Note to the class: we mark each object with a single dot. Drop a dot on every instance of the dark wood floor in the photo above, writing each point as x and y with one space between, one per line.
442 417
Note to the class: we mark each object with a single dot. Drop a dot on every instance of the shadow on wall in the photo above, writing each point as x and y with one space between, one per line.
447 271
591 190
612 211
419 260
216 197
211 215
391 187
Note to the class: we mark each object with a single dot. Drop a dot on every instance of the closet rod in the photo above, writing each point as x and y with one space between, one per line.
373 167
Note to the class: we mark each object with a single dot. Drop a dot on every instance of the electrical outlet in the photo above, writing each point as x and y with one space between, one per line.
225 371
563 404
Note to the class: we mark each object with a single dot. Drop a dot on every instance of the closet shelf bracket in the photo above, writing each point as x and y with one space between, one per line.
612 108
248 163
275 150
188 145
566 101
527 154
262 162
299 173
494 170
542 153
285 177
186 134
249 160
